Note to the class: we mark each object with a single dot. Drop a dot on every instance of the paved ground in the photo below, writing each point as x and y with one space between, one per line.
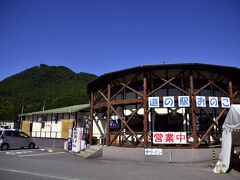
38 165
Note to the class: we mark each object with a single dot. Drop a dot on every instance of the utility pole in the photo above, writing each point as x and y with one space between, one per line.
43 105
20 123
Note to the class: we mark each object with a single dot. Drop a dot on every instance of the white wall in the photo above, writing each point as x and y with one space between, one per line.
50 130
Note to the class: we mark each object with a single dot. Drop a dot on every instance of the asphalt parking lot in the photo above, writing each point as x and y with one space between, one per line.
37 164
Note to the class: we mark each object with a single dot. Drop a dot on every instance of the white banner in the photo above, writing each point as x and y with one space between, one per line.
169 137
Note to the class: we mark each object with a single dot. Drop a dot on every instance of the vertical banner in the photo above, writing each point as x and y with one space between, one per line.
77 142
69 142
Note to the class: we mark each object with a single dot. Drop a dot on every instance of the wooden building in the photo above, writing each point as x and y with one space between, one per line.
120 103
54 123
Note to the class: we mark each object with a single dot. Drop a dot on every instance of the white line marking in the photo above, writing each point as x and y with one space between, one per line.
9 153
43 154
18 152
36 174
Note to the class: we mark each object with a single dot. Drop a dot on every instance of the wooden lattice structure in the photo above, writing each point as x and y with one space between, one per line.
122 97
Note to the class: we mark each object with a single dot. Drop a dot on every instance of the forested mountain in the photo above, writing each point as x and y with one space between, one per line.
54 86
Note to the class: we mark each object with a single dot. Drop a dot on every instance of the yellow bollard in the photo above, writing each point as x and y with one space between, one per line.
213 155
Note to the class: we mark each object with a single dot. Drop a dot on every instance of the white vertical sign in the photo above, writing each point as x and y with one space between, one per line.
168 101
153 102
77 139
201 101
183 101
225 102
213 101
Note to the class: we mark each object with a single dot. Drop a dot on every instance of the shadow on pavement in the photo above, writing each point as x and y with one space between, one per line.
235 163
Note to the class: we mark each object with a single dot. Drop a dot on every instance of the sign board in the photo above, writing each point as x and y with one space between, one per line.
225 102
153 102
184 101
213 101
169 137
77 142
168 101
201 101
153 152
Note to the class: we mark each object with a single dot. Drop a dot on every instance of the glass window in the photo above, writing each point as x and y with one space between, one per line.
8 133
22 134
16 134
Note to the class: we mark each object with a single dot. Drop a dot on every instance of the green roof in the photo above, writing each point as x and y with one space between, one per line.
68 109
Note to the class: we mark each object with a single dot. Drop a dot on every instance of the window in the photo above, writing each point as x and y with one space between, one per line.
169 122
22 134
16 134
8 133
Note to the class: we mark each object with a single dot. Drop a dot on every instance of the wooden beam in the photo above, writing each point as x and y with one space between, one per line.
145 116
211 118
230 87
103 95
210 128
125 102
100 105
118 102
133 114
108 113
124 86
160 87
91 119
180 89
221 89
168 82
128 87
126 125
203 87
98 95
193 113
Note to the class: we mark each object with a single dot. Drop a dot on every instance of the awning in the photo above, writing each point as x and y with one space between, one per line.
68 109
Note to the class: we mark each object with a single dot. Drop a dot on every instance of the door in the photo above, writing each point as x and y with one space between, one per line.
9 138
21 139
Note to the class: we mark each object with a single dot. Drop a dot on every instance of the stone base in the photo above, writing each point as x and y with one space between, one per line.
168 155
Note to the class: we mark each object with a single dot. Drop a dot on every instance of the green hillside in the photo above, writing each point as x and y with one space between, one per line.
54 86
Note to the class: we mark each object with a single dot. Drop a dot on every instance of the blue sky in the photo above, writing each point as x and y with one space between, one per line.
104 36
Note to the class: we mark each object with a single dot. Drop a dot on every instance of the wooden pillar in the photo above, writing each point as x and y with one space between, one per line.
108 113
194 145
145 118
230 89
91 119
76 119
